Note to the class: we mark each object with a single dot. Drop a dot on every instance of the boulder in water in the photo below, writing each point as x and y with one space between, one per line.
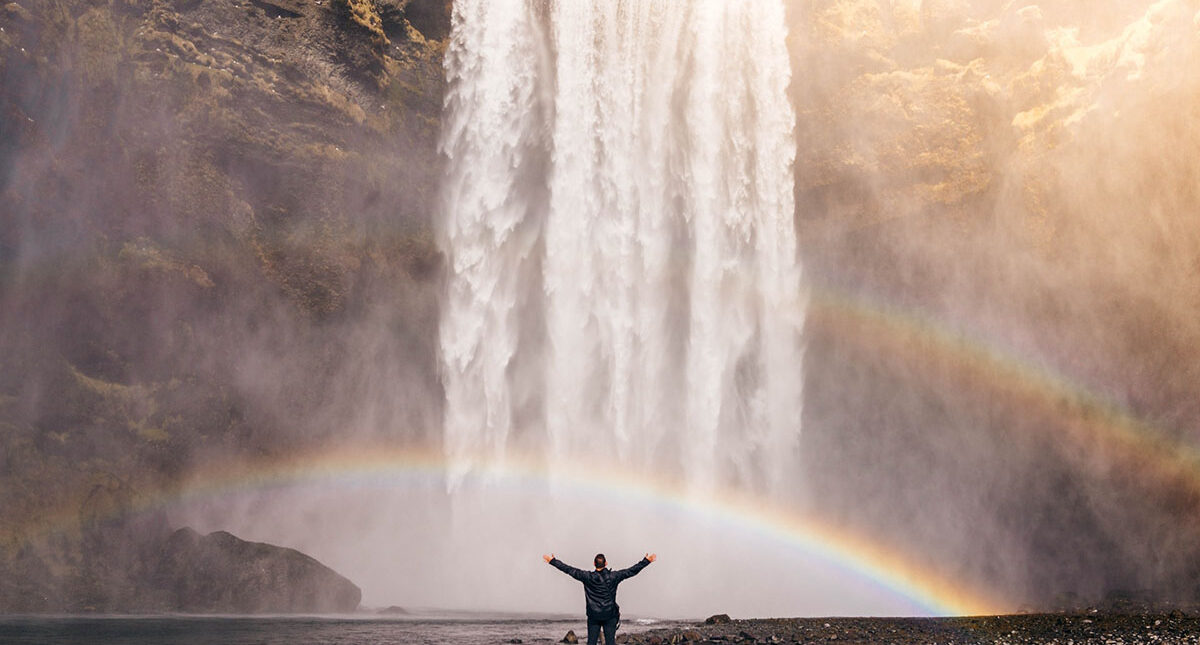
717 619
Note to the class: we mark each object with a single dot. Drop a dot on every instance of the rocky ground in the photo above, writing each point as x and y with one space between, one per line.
1074 629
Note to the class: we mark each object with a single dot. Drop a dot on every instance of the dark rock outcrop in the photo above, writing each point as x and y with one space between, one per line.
136 565
219 573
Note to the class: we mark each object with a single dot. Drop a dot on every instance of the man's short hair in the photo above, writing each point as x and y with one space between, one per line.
600 561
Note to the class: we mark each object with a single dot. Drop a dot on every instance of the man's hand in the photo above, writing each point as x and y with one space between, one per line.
649 556
548 558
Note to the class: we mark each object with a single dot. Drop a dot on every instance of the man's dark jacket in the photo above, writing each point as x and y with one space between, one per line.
600 587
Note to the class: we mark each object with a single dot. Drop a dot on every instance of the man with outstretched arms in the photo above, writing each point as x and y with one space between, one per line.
600 592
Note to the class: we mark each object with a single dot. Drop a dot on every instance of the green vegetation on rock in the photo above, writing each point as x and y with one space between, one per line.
364 14
207 205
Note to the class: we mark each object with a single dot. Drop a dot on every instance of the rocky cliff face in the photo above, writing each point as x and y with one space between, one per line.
998 206
216 226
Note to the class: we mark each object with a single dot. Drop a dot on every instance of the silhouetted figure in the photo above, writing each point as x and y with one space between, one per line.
600 591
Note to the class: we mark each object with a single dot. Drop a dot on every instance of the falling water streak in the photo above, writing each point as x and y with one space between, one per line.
656 246
490 128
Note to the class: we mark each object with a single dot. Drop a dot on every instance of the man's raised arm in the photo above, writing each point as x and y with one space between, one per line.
637 568
578 574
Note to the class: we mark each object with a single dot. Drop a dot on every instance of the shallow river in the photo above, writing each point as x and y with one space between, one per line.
289 630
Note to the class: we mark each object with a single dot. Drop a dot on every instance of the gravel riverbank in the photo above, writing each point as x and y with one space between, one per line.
1100 629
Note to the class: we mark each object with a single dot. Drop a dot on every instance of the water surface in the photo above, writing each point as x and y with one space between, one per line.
291 630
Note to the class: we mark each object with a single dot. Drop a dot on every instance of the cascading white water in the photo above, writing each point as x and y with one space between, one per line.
623 279
622 289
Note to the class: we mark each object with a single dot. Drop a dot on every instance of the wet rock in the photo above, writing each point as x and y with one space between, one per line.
717 619
570 638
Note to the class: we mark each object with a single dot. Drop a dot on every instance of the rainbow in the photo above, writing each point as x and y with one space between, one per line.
1110 436
862 327
846 551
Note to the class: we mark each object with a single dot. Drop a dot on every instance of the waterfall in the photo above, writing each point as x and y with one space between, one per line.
622 277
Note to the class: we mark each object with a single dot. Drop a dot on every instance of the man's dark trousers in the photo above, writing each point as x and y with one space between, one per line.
610 630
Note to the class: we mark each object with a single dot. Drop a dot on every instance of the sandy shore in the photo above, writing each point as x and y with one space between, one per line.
1100 629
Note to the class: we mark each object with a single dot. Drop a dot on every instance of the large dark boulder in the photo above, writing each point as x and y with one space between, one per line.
133 563
220 573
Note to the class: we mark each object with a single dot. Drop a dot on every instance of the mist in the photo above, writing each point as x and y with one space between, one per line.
1008 181
225 241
